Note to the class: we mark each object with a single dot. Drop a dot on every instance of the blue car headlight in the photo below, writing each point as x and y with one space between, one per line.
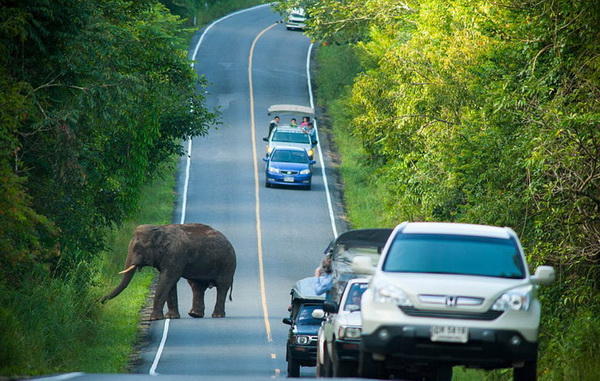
273 170
305 171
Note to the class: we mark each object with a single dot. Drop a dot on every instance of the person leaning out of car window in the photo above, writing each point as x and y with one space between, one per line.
310 130
324 277
272 124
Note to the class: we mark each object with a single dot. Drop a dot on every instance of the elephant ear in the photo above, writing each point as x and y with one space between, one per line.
160 238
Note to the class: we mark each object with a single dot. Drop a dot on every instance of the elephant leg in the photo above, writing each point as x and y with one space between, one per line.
219 311
198 289
164 288
172 304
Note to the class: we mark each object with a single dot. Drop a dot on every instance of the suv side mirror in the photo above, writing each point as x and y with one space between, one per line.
287 321
363 265
544 275
266 139
330 307
318 314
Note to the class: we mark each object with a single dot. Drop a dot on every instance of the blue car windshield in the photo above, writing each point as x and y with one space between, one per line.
455 254
284 156
291 137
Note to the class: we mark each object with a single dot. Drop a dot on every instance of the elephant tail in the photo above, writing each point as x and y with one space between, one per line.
231 292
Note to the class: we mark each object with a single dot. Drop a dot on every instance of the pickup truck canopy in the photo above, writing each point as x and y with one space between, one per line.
288 109
367 242
304 290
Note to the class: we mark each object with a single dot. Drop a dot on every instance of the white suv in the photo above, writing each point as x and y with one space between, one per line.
446 294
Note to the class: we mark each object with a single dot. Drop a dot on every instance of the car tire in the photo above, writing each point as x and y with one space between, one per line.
369 368
309 186
293 368
526 373
341 368
327 367
344 369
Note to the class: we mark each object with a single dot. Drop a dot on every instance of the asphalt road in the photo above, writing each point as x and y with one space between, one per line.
250 61
279 234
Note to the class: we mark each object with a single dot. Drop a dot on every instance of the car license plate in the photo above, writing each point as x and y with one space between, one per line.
288 179
449 334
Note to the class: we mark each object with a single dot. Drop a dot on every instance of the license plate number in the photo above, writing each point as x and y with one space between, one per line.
288 179
449 334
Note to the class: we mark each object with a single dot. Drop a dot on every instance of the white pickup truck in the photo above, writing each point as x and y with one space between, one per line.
339 336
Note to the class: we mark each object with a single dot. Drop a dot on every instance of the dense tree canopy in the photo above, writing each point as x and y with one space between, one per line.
484 112
95 97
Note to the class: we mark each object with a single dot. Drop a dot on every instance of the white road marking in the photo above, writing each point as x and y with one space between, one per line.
325 182
161 347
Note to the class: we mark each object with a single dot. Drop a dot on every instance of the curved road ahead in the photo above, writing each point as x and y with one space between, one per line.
279 234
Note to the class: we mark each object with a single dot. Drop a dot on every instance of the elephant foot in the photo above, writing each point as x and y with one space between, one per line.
218 314
196 314
173 315
157 316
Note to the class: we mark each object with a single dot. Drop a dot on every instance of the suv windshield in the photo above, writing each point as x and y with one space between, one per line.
291 137
455 254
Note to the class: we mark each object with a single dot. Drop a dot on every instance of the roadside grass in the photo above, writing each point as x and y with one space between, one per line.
56 325
333 84
117 327
569 342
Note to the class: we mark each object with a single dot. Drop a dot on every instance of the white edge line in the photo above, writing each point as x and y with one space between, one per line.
161 347
62 377
187 177
325 182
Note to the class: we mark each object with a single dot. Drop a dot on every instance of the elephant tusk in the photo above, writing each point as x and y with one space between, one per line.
127 270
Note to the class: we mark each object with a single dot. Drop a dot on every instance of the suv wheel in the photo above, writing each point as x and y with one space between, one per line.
369 368
527 373
293 368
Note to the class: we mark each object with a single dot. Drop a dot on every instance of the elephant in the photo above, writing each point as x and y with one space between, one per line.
196 252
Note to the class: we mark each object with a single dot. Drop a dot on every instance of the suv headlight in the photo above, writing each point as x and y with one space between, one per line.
352 333
514 300
387 293
302 340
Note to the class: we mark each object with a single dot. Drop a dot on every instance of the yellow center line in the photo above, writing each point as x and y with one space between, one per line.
261 269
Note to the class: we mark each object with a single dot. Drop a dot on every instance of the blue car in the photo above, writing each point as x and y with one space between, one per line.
288 166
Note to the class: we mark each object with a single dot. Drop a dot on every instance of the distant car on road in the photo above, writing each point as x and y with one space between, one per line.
339 335
296 19
288 166
301 347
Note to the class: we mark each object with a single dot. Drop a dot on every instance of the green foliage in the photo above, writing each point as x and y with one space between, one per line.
94 101
95 98
484 112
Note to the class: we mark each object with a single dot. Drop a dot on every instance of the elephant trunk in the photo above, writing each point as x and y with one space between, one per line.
129 272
